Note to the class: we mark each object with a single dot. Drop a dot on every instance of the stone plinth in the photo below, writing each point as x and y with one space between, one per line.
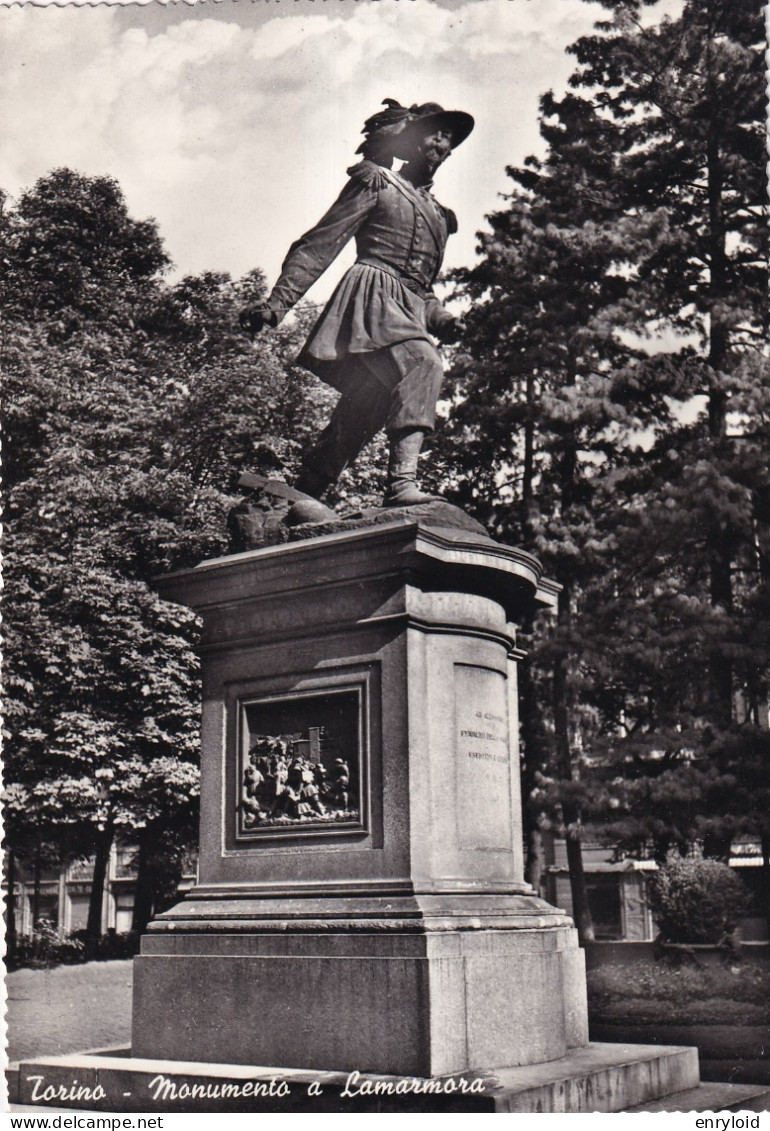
594 1078
379 921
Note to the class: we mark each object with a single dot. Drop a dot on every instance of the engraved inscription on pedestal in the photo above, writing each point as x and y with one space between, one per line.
301 764
482 759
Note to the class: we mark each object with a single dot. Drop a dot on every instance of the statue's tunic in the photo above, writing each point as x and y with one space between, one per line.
386 298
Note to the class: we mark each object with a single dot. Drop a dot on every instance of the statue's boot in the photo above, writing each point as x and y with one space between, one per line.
401 489
312 482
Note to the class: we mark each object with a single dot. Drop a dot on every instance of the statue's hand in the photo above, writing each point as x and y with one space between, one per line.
255 318
450 330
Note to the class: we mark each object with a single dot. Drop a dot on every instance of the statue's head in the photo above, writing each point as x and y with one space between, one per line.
426 133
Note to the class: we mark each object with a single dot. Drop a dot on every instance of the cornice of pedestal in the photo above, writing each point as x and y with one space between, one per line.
411 550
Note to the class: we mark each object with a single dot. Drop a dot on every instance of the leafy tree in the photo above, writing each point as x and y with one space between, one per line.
130 407
73 252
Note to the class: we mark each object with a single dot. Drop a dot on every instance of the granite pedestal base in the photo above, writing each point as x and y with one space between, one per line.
604 1078
361 902
395 1001
361 930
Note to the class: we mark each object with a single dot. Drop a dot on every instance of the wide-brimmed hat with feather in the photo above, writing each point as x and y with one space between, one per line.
389 133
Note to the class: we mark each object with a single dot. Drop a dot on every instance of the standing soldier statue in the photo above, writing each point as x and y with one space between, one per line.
373 341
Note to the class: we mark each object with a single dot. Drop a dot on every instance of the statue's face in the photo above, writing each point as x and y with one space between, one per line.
433 146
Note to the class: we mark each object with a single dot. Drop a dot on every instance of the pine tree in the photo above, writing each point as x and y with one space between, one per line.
535 389
624 281
688 96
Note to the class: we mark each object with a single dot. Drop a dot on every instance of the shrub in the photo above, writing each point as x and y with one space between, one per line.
696 901
44 948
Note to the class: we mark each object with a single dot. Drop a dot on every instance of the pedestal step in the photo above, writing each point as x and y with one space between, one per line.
602 1078
713 1097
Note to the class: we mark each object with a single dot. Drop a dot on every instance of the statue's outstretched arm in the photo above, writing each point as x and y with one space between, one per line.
312 253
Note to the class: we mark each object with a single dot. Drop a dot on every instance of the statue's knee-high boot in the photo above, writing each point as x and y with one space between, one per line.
401 489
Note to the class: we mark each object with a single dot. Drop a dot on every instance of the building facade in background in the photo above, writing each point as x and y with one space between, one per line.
60 896
617 892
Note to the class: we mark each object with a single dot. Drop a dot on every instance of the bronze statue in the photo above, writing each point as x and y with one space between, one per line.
373 340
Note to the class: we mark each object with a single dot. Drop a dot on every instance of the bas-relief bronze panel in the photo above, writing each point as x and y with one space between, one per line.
302 766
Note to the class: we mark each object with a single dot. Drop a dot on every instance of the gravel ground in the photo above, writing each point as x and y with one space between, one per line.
68 1008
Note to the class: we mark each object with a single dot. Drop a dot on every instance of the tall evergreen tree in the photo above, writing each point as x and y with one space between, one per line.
689 99
621 289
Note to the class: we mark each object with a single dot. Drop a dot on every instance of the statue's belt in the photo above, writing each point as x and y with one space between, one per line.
420 287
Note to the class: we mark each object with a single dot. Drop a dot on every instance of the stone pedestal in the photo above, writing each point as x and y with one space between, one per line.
379 921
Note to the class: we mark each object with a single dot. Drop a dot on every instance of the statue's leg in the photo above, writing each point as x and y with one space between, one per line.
358 416
412 414
395 388
416 377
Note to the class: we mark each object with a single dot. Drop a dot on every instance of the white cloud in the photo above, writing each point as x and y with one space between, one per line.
235 136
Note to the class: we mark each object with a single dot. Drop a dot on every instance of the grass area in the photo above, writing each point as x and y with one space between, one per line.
649 992
73 1008
68 1008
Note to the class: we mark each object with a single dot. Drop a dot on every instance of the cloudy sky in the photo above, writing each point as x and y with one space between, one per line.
232 122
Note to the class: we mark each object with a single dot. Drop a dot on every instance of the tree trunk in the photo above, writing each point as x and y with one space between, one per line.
528 469
719 538
581 912
10 906
530 763
96 900
36 867
144 892
568 768
766 878
716 846
580 908
534 858
529 709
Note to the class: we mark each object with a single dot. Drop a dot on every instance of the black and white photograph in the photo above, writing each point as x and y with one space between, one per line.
386 559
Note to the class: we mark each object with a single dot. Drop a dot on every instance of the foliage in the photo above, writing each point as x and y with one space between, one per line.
696 901
44 948
75 254
610 412
130 408
674 798
679 661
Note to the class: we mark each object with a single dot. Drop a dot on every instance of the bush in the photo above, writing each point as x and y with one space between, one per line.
696 901
44 948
